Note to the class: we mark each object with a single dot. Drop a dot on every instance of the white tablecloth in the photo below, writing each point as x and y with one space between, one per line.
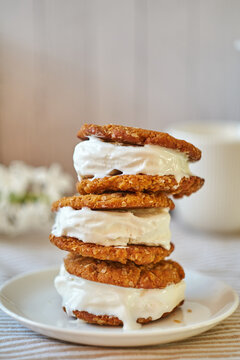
216 255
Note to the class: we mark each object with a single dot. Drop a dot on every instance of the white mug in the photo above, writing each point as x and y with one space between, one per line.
215 207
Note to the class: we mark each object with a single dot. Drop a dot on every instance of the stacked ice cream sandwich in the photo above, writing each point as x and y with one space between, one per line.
117 229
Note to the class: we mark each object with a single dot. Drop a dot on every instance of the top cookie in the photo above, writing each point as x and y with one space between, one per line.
137 136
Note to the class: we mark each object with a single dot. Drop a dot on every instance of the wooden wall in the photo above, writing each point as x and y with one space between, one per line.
139 62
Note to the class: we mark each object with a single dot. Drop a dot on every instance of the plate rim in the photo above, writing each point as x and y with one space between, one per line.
131 333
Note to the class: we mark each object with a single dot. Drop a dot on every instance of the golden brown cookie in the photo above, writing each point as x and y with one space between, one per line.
139 254
138 183
137 136
152 276
115 201
113 320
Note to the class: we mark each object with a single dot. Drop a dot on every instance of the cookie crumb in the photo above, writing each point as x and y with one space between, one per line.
189 310
177 321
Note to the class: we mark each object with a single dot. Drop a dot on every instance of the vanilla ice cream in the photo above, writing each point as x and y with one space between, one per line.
115 227
97 159
128 304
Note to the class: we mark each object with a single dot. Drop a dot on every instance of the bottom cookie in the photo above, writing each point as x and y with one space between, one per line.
113 320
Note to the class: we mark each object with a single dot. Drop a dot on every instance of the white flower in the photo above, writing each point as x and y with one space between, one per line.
26 194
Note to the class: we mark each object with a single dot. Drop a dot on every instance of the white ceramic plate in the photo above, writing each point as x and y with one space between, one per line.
32 300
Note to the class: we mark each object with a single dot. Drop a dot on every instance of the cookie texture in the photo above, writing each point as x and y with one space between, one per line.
113 320
139 254
141 183
115 201
137 136
152 276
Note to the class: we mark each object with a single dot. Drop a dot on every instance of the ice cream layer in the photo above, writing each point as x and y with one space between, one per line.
96 158
115 227
128 304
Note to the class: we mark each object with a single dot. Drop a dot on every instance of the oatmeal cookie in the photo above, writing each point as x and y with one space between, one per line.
113 320
139 254
115 201
152 276
141 183
137 136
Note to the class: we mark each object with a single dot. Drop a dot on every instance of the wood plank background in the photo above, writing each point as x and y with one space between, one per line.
146 63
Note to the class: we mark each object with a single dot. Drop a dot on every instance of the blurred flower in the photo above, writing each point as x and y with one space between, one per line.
26 194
